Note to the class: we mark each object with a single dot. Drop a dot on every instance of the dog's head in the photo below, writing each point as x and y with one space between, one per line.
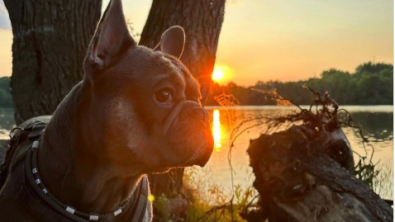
143 104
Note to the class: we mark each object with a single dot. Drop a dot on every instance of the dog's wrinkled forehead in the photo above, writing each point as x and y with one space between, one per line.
157 67
175 66
168 62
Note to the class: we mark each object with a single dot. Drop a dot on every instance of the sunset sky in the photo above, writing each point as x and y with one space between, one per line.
279 40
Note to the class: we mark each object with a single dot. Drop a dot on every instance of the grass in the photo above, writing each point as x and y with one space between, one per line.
211 203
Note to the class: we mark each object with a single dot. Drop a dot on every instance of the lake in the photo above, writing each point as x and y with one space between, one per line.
375 121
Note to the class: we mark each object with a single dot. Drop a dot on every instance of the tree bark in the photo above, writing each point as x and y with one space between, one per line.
202 21
49 45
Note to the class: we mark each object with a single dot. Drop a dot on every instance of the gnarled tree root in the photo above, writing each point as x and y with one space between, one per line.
299 180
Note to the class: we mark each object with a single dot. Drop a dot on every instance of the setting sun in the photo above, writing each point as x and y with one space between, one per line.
220 73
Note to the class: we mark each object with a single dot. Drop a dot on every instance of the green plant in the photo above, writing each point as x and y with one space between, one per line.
210 202
161 202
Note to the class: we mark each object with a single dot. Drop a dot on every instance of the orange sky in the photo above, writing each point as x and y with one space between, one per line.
280 40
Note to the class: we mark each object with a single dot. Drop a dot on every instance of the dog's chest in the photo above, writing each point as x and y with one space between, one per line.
22 199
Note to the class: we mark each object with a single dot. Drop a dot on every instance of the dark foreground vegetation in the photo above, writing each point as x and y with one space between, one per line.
370 84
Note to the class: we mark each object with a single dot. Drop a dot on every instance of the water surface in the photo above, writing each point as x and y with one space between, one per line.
375 121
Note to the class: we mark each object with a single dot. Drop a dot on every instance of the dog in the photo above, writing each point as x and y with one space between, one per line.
136 111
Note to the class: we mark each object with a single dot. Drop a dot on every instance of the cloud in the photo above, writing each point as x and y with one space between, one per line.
5 22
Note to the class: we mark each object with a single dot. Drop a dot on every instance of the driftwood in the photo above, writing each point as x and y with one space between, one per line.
305 173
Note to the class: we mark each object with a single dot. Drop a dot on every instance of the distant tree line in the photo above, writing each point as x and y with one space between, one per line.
370 84
5 93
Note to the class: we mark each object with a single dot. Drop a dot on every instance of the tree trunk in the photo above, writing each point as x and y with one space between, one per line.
49 45
202 21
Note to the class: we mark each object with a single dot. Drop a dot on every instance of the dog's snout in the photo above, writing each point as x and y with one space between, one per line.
193 110
200 114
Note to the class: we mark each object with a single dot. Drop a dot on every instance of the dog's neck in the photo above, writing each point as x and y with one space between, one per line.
71 171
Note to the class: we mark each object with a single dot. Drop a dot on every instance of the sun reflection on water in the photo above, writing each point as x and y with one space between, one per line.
216 130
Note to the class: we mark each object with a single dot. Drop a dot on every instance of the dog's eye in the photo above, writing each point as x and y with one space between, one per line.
164 97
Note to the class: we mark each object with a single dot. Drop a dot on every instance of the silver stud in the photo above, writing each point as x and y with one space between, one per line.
70 210
93 217
117 212
38 181
35 144
34 170
45 191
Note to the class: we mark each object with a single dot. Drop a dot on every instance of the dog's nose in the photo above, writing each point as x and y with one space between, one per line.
200 113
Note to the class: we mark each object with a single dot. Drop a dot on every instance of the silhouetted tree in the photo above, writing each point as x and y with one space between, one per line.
50 39
371 84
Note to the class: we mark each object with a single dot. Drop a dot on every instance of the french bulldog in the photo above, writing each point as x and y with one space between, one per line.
136 111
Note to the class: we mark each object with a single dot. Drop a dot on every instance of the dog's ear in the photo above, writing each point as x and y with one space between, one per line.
172 41
111 38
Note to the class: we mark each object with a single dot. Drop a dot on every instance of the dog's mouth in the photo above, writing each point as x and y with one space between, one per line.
190 134
200 157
